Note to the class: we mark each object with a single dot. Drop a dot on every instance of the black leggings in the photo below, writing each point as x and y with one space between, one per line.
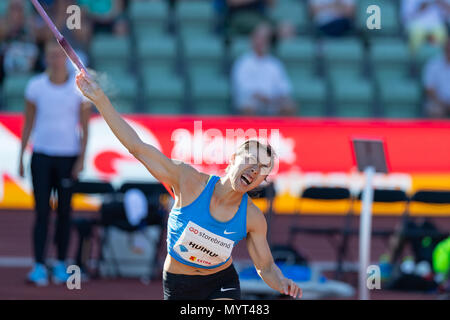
50 172
223 284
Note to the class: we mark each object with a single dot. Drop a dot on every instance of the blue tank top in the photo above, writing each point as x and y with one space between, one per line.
195 238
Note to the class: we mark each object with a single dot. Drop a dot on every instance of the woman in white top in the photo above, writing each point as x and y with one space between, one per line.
55 111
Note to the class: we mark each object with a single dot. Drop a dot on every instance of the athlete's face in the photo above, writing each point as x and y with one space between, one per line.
249 168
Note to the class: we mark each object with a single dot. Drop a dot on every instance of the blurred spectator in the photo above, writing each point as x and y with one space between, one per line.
437 84
441 263
260 84
424 20
403 237
18 51
429 253
107 16
333 18
58 115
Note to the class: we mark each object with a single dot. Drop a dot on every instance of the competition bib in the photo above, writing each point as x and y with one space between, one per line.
200 246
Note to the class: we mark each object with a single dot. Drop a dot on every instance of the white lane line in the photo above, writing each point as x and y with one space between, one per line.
16 261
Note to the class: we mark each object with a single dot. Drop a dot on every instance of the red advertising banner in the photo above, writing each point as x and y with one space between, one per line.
309 151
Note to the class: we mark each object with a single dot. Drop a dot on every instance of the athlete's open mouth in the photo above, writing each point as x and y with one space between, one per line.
246 179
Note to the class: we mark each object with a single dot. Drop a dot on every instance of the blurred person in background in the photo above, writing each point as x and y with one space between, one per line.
424 21
260 83
333 18
420 270
58 115
436 81
18 51
107 16
402 237
441 263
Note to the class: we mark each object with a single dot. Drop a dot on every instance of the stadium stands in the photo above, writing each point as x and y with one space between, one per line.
149 17
14 88
294 12
185 69
165 92
299 55
390 18
157 52
110 53
194 17
310 92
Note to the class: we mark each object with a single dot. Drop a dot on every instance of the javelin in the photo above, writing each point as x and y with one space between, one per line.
59 37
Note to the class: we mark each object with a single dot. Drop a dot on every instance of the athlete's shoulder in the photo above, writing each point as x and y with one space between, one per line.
256 222
190 172
191 176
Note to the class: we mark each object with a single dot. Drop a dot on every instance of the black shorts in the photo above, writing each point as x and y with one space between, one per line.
223 284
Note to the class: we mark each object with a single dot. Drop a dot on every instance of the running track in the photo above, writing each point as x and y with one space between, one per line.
15 242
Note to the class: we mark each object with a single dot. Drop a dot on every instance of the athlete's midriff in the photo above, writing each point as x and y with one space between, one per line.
173 266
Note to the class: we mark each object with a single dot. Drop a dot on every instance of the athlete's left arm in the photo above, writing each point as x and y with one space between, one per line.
259 251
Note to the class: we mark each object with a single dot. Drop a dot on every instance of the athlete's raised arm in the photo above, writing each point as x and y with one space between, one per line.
160 166
259 251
